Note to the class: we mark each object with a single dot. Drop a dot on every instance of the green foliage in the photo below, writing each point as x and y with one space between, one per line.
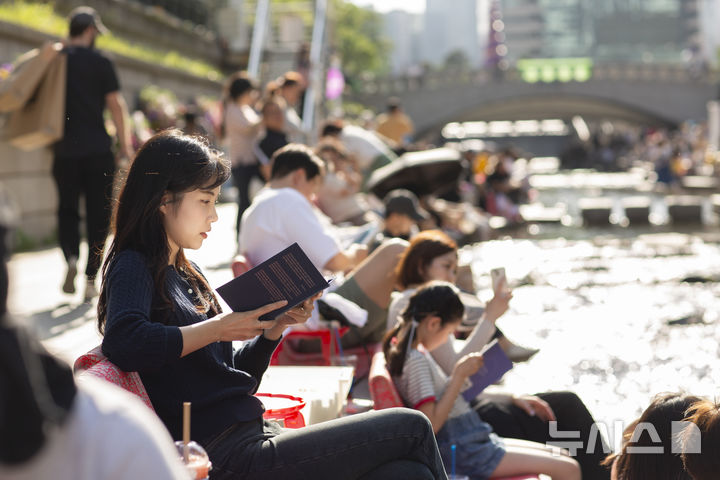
457 60
357 38
42 17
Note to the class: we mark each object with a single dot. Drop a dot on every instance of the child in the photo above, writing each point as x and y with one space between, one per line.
161 319
434 312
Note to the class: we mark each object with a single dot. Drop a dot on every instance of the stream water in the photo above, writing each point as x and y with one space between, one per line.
620 314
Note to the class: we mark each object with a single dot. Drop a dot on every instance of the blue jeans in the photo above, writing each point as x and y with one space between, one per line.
388 444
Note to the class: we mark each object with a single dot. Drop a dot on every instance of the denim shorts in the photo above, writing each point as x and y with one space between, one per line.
478 450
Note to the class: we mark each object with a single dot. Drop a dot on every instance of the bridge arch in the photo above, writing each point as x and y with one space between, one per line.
662 95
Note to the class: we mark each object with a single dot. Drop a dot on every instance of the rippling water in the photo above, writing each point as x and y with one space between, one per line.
619 314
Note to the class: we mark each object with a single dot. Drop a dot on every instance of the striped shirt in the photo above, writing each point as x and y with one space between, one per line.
423 381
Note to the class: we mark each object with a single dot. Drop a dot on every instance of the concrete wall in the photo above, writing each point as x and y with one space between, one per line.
27 175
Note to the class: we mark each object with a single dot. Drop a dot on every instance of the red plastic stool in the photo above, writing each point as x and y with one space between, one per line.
291 416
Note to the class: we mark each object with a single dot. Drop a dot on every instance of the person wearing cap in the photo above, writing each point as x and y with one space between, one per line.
402 215
84 163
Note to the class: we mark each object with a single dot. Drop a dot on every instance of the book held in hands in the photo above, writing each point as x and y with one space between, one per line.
288 275
495 364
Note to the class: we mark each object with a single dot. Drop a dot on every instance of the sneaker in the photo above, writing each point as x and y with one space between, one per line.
517 353
90 290
69 285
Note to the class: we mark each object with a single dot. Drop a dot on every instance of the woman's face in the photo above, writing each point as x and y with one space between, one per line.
442 268
188 220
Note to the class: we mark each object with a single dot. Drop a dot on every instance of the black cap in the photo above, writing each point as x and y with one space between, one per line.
84 17
404 202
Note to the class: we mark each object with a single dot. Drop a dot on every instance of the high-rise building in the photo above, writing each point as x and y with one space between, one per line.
449 27
625 30
402 29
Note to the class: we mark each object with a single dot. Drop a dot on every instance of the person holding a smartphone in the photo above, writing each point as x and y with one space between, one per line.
160 318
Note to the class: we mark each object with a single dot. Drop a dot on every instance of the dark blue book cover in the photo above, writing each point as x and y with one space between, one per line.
495 364
288 275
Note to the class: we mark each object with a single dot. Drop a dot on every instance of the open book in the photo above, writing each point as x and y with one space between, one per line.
288 275
495 364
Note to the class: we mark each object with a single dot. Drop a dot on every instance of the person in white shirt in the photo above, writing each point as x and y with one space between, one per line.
283 214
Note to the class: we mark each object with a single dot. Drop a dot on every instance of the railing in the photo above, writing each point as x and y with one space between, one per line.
651 73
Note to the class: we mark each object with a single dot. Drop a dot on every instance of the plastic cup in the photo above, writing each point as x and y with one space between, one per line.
198 462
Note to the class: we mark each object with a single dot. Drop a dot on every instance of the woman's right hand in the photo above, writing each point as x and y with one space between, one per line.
500 303
468 365
245 325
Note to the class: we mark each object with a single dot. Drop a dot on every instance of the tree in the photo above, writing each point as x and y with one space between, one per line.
356 36
457 60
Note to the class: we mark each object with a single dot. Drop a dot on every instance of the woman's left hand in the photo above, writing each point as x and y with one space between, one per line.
535 406
295 316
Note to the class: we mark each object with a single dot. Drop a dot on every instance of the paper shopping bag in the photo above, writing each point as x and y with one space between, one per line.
30 68
40 122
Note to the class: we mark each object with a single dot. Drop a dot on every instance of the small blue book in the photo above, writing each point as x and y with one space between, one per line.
495 364
288 275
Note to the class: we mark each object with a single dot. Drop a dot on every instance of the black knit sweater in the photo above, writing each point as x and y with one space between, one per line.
220 383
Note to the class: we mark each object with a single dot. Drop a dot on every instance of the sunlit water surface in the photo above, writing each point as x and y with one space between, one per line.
619 314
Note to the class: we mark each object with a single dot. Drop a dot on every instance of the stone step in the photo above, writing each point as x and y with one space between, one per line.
684 208
637 209
697 184
538 213
595 211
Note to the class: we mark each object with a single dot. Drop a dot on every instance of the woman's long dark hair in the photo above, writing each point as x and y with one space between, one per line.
168 163
423 249
667 465
434 298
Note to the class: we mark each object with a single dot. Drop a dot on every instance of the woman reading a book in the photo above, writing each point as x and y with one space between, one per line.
160 318
432 255
434 311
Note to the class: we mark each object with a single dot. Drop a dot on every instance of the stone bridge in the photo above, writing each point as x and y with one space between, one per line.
640 93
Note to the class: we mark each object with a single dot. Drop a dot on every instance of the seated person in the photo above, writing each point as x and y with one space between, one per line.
339 196
161 318
401 218
464 438
369 150
665 465
283 213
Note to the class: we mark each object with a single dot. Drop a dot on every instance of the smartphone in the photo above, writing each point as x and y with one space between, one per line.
497 276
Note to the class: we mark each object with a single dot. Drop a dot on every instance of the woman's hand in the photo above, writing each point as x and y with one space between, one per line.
245 325
296 315
468 365
500 303
533 405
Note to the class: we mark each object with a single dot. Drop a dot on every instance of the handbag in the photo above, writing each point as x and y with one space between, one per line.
16 90
41 121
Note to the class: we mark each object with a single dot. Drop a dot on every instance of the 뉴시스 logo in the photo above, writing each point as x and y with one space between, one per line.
685 438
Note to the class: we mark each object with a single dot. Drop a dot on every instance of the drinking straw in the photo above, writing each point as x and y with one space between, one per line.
186 431
336 331
452 460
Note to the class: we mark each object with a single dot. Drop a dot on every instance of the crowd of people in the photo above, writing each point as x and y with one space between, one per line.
391 258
